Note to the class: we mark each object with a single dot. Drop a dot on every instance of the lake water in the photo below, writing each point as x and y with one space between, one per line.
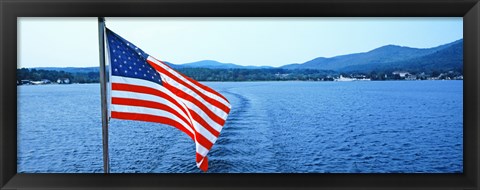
274 127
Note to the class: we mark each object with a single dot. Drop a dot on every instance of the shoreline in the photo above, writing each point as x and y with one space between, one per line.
355 81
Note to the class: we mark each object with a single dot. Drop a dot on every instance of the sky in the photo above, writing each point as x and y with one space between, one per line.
73 42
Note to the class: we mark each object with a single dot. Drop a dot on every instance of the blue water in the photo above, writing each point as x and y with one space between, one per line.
274 127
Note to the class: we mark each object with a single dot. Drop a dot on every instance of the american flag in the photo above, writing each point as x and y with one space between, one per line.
146 89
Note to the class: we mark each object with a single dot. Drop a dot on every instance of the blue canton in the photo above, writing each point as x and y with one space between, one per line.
127 60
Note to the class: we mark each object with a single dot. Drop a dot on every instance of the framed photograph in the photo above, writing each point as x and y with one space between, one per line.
265 94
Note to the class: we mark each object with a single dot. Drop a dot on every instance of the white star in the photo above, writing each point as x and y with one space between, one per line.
114 60
120 66
116 69
130 68
139 53
113 50
134 63
140 69
135 73
123 52
128 58
118 46
119 56
144 75
125 62
128 44
125 71
152 77
148 71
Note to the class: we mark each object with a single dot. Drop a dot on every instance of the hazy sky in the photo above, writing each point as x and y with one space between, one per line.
73 42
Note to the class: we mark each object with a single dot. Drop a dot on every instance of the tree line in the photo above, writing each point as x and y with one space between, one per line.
204 74
40 74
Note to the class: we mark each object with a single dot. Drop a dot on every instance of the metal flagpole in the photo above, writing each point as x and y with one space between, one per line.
103 90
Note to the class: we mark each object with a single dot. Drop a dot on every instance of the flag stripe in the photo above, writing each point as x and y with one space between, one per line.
153 98
187 87
203 164
150 111
202 122
145 90
212 106
122 83
204 130
197 136
201 150
150 104
200 87
199 104
151 118
198 157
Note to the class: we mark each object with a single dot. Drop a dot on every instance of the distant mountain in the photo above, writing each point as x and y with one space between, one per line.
387 57
447 57
211 64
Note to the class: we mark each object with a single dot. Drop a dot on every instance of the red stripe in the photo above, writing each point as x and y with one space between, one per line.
206 98
198 157
151 118
202 122
150 104
206 88
188 97
146 90
204 165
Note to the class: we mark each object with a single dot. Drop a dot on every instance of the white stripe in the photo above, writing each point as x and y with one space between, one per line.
149 111
192 106
202 91
207 93
148 97
211 107
201 150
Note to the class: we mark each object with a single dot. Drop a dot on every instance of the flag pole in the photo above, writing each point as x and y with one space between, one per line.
103 90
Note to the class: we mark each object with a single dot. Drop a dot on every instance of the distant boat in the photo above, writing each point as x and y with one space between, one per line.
348 79
36 82
344 79
364 79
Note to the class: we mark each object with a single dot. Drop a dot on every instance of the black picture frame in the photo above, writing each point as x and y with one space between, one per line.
11 9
